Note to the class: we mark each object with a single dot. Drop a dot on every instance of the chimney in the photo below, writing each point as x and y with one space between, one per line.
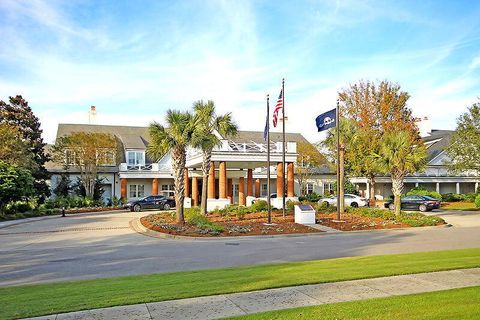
92 115
424 126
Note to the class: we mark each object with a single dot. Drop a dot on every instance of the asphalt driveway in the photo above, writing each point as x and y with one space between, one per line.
86 246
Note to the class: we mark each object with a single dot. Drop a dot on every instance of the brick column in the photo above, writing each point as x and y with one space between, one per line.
290 180
211 181
241 191
222 180
250 183
230 190
154 186
187 184
195 191
280 187
257 188
123 188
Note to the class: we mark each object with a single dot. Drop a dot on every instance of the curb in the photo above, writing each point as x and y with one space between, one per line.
138 227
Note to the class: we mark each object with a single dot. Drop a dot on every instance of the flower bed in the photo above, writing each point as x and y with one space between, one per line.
215 224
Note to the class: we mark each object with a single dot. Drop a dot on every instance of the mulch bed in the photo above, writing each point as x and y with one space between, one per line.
251 225
351 222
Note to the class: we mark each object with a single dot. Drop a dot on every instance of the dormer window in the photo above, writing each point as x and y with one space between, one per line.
136 158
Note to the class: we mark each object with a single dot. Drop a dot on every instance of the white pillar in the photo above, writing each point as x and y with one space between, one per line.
458 187
437 187
476 186
367 192
416 184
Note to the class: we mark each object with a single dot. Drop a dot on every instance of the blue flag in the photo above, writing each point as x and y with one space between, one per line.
327 120
265 131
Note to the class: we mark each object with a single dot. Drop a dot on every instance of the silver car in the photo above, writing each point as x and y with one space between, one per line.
351 200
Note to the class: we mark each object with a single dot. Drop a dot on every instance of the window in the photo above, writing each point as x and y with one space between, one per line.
71 157
328 187
309 188
136 158
106 157
264 189
137 190
167 187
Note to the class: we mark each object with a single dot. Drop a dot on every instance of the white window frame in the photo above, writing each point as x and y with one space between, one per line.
309 188
136 158
136 190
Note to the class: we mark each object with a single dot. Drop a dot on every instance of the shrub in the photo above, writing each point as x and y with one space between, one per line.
194 217
312 197
290 205
259 206
453 197
470 197
421 191
477 201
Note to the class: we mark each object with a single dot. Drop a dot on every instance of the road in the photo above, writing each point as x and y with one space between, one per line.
99 245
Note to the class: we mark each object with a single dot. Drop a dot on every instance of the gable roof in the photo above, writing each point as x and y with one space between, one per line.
436 142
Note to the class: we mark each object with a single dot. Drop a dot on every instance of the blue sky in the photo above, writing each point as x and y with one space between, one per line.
136 59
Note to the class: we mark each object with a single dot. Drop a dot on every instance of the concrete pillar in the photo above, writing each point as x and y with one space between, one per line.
187 184
195 191
211 181
230 190
250 182
476 186
222 180
241 191
367 191
280 187
437 187
416 184
154 186
123 188
257 188
290 180
457 185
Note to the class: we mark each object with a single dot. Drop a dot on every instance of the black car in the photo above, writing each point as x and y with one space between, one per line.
415 202
150 202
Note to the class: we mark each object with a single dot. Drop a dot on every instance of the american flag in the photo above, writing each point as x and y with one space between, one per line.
278 107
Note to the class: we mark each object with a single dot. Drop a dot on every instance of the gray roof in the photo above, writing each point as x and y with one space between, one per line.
439 140
131 137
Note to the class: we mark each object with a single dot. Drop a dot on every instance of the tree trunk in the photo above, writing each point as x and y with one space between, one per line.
207 157
372 200
178 164
397 189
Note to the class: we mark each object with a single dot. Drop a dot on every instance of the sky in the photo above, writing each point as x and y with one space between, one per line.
134 60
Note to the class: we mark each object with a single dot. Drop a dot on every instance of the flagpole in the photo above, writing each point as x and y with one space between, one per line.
283 146
269 208
337 125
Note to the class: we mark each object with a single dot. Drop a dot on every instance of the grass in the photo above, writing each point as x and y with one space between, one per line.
450 304
42 299
466 206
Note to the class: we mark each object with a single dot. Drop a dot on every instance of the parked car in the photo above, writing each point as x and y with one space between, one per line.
351 200
150 202
415 202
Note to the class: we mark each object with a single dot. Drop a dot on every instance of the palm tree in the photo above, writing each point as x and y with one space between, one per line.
173 138
399 154
209 127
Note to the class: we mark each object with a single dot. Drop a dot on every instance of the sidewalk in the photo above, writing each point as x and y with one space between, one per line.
227 305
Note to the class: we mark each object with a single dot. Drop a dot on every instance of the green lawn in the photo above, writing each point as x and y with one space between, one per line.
467 206
35 300
451 304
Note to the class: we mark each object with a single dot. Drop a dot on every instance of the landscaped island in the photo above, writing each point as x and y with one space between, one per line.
241 221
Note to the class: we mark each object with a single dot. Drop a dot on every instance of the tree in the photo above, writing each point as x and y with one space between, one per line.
308 160
374 109
174 138
205 138
86 151
14 150
63 187
464 146
15 184
18 113
400 153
